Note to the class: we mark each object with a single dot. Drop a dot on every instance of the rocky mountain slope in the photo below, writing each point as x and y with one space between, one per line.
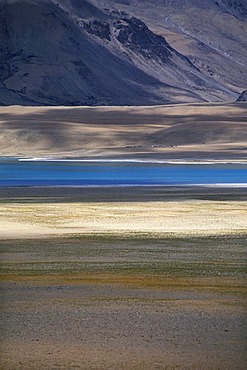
129 52
242 97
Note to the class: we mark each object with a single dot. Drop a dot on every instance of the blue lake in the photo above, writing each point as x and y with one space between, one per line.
14 172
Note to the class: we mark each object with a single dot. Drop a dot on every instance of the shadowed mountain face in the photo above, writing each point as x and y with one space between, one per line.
78 52
242 97
238 8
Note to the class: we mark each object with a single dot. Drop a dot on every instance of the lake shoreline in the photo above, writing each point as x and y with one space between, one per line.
124 193
132 159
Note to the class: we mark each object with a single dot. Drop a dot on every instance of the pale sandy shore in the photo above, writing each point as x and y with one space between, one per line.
37 212
123 278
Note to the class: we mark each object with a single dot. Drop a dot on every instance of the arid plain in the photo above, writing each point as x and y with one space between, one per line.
124 278
183 131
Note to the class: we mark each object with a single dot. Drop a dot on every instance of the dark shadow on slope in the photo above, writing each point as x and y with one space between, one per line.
69 129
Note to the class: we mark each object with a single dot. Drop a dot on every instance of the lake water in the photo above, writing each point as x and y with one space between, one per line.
14 172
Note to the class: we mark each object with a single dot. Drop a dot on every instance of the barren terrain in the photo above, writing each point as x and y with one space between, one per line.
123 278
186 131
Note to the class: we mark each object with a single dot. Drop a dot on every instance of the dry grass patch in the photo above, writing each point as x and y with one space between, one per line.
183 217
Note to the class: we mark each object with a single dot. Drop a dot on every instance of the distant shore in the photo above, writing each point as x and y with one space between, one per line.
134 160
208 132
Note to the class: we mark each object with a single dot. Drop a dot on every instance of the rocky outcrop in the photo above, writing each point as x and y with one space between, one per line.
135 35
242 97
238 8
98 28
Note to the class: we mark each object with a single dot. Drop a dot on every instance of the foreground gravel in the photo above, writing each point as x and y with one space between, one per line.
113 327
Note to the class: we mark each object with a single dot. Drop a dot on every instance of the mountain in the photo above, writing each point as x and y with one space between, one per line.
129 52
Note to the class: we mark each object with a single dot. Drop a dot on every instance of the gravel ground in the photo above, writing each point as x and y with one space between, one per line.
109 327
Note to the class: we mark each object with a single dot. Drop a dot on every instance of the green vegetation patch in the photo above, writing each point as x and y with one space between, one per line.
136 255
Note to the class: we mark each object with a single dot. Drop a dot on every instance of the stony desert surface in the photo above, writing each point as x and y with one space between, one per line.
123 278
214 131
